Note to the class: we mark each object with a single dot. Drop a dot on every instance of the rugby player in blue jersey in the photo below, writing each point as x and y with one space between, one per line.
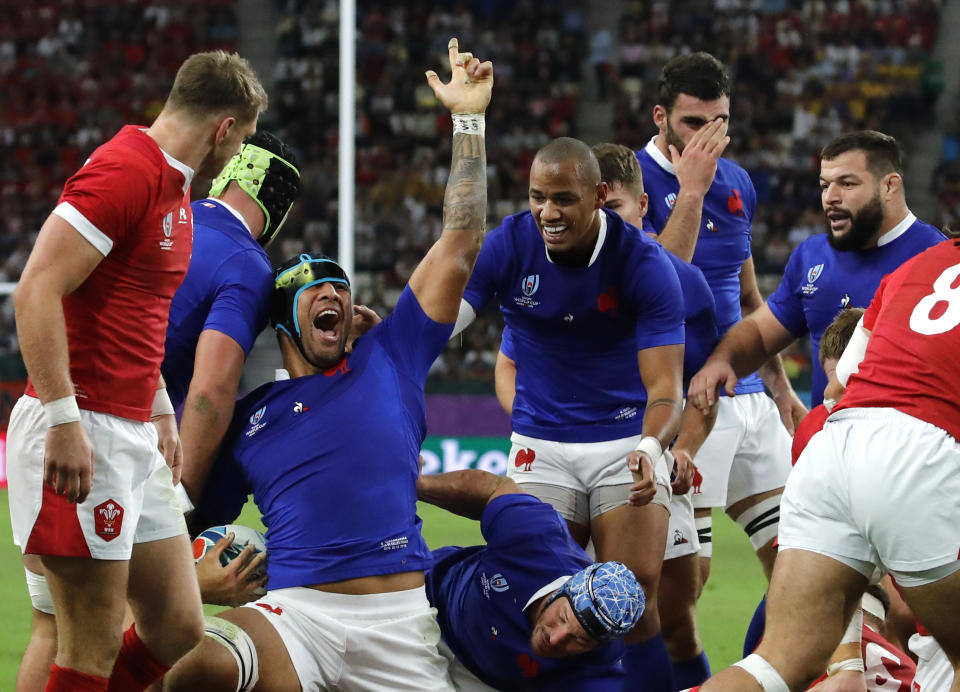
330 456
701 207
528 610
679 582
596 315
870 232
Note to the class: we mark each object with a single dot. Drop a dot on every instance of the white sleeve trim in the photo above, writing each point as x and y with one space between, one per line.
94 235
853 354
466 315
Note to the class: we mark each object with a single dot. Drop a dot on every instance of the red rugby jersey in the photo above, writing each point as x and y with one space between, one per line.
911 360
131 201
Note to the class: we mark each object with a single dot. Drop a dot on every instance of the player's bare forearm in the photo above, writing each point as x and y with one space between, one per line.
42 335
694 428
774 376
742 347
661 369
466 493
680 233
439 280
206 417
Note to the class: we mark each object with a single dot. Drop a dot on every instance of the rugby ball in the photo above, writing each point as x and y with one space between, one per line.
242 536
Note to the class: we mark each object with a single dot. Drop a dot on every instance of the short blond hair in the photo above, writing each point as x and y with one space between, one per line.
217 82
618 164
836 337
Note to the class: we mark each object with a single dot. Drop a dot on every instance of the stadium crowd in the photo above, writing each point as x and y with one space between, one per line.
803 72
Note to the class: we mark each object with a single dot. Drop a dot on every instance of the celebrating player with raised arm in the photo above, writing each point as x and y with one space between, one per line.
877 486
331 457
90 493
595 310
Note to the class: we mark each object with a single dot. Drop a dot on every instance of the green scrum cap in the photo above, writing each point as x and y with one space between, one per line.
265 169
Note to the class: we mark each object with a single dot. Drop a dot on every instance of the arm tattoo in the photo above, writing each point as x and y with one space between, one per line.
666 401
465 200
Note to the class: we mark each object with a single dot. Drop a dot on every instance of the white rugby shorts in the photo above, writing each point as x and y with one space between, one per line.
581 467
877 487
384 641
681 532
132 499
747 453
934 670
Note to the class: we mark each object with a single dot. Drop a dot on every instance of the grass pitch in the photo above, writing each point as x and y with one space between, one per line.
735 586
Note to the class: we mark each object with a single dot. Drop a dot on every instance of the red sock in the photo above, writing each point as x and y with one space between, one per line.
70 680
136 668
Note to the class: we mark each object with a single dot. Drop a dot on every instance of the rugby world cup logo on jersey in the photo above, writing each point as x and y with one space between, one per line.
255 423
497 583
529 285
813 273
167 242
671 200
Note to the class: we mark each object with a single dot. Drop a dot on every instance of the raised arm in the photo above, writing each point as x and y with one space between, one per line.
60 261
439 280
466 493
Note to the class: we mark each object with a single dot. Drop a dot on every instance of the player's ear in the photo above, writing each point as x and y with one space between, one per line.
224 127
644 204
892 183
660 116
601 194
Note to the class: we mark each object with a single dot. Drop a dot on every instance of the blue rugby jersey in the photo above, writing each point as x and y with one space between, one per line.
227 289
576 330
331 458
819 282
481 595
700 328
723 244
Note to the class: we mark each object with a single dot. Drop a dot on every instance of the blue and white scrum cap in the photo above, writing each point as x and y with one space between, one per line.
291 279
265 169
606 599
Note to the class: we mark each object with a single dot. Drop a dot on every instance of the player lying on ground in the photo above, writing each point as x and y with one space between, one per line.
529 609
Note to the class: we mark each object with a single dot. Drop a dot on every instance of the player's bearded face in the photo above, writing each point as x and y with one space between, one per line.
861 228
564 207
325 313
558 633
688 115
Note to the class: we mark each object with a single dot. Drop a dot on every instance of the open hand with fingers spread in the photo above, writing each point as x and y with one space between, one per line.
470 85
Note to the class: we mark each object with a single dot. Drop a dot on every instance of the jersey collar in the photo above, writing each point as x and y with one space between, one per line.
897 230
548 589
654 153
177 165
232 211
601 236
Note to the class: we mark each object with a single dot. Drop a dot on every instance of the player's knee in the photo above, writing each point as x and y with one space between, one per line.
679 628
226 661
761 521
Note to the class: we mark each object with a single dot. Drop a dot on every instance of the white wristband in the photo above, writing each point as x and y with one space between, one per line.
651 446
469 124
60 411
162 405
854 632
855 664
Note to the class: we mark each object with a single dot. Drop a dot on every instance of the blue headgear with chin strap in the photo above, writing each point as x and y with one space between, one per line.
606 599
292 278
